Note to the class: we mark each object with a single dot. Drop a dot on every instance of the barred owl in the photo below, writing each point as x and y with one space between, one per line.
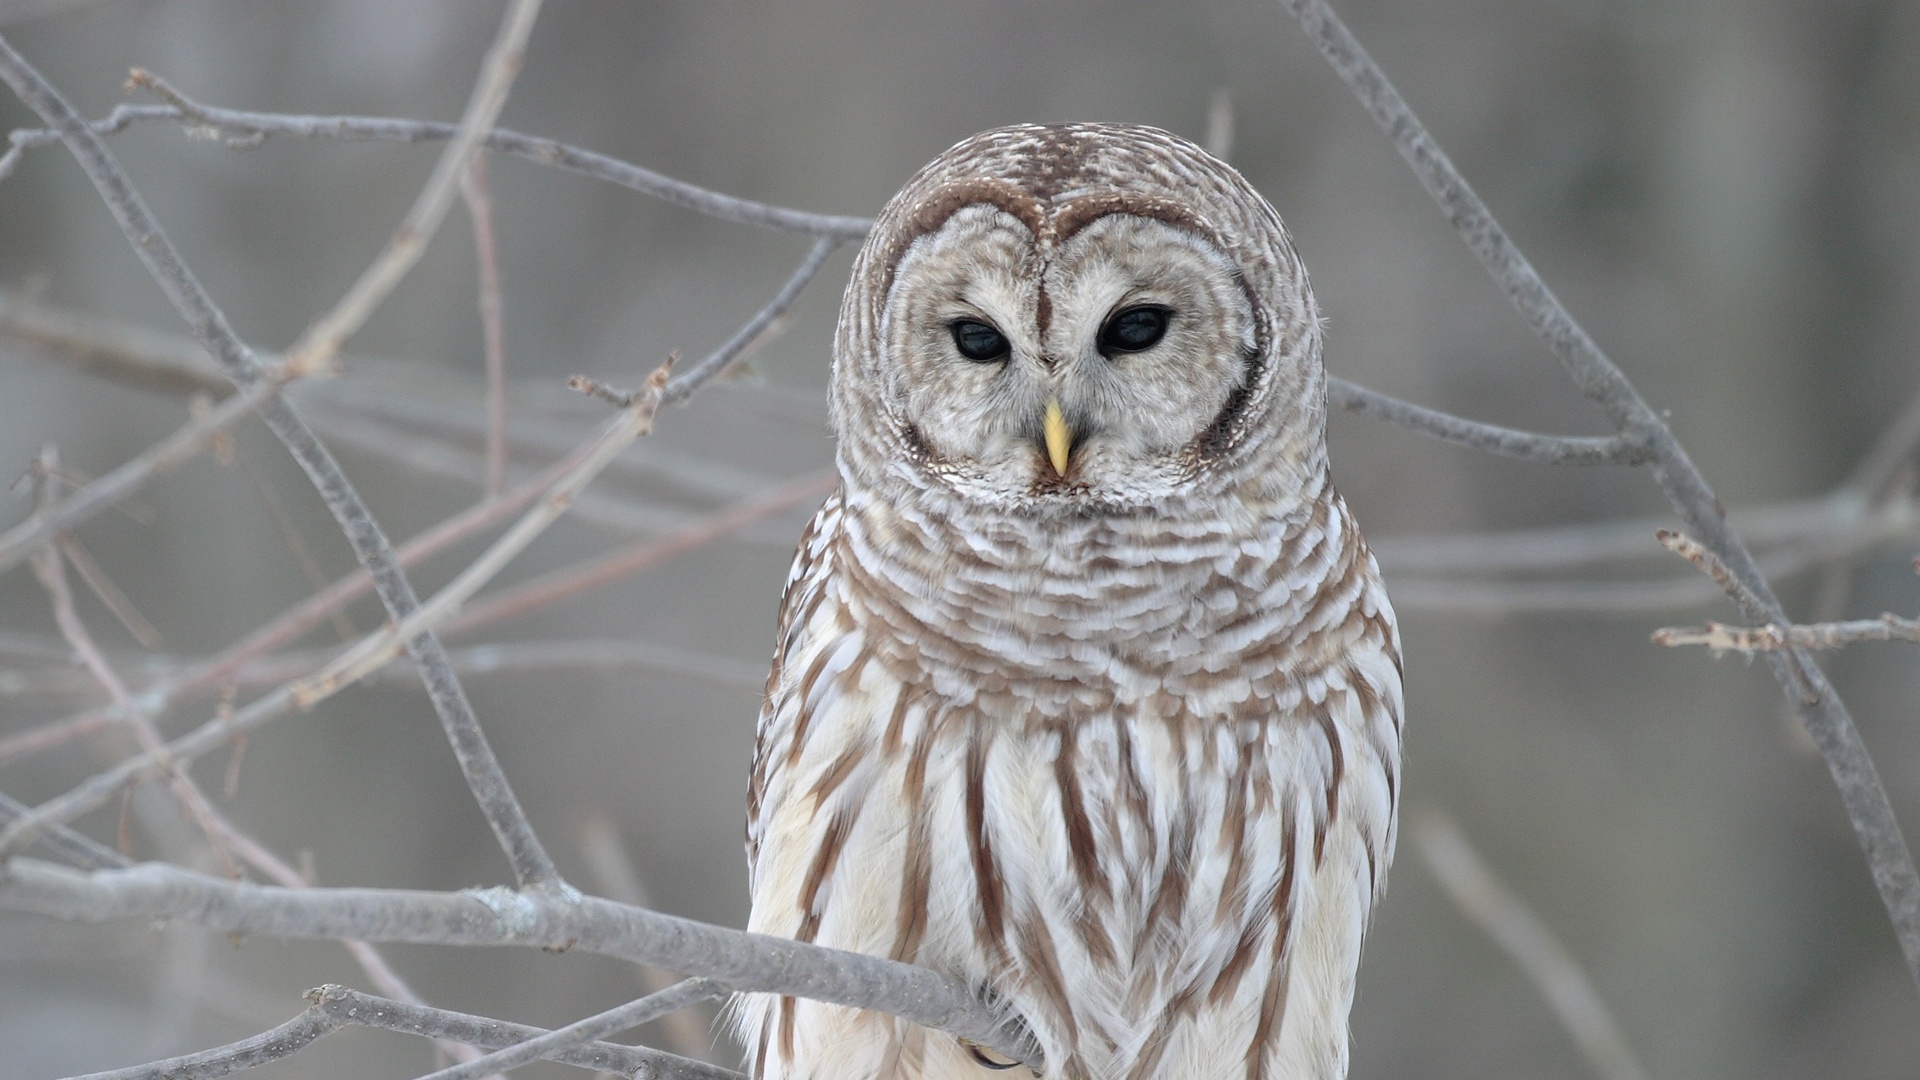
1087 691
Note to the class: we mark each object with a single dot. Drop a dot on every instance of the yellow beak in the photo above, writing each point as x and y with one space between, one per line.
1059 437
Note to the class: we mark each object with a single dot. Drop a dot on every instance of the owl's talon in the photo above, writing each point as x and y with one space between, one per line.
987 1057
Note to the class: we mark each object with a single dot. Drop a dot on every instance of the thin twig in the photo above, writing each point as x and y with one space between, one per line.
84 851
191 114
715 362
490 789
744 961
616 878
376 649
1828 635
1219 140
281 1042
1527 940
316 348
597 572
110 594
1709 563
580 1032
1602 382
352 1007
479 196
1507 442
164 456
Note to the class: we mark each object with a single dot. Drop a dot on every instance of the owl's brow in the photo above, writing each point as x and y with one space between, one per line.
1053 226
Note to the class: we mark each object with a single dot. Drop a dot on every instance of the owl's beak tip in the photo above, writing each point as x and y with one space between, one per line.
1059 437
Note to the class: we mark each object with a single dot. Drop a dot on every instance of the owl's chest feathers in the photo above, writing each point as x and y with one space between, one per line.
1179 614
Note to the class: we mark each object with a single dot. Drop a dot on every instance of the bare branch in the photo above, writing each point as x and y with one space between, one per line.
20 541
616 877
717 361
1219 140
528 918
369 541
1830 635
82 850
375 650
191 114
1709 563
1506 918
479 196
1821 710
352 1007
597 572
580 1032
317 347
1507 442
282 1042
1878 471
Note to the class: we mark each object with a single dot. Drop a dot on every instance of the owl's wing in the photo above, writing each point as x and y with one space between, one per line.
806 585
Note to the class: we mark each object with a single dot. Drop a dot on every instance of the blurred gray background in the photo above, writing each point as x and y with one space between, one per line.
1726 192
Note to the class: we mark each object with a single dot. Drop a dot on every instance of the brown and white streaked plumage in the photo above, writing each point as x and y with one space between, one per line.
1086 689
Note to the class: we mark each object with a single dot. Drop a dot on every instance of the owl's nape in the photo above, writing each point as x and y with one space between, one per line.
1087 691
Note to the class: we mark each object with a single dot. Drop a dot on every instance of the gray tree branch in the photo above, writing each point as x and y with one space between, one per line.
533 919
1820 708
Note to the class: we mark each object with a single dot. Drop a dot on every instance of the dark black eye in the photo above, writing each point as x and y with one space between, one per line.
979 342
1134 329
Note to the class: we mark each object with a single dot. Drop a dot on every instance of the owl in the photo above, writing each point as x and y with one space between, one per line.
1086 689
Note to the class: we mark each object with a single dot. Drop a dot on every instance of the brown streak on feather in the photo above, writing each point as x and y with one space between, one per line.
1043 967
1273 1003
1233 834
991 922
824 858
787 1009
1338 755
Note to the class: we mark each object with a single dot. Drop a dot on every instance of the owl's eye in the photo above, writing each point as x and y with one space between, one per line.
979 342
1133 330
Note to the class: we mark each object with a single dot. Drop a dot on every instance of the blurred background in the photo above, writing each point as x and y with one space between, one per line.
1725 192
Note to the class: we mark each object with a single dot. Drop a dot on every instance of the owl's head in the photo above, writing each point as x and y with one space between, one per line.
1080 318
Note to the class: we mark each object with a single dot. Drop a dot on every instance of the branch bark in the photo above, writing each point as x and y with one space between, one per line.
533 919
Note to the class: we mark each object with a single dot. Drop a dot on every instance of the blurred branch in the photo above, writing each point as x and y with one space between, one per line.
479 196
212 329
252 126
599 571
1219 140
221 834
616 878
316 348
1506 918
717 361
1830 635
1506 442
1602 382
83 851
532 919
493 658
21 540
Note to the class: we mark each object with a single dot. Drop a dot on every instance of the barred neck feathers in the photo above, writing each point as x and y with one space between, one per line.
1194 598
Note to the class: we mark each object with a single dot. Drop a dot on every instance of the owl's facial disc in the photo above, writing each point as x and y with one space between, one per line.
1032 370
